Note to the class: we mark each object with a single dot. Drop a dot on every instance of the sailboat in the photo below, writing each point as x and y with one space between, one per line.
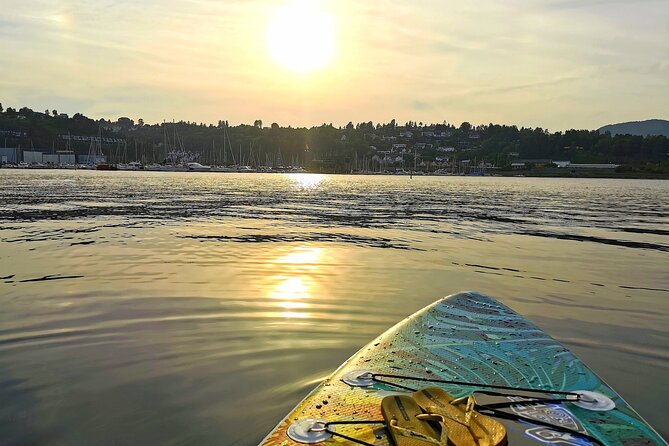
98 156
225 167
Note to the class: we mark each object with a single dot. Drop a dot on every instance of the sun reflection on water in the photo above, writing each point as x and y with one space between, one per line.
295 286
306 180
290 292
303 258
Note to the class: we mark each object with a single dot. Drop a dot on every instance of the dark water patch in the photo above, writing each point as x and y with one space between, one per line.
569 302
597 284
48 335
612 337
561 280
50 277
499 219
69 214
375 242
87 242
537 278
654 231
7 277
605 241
488 272
40 238
482 266
625 287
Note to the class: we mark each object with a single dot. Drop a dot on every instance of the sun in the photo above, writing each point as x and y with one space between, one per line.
301 37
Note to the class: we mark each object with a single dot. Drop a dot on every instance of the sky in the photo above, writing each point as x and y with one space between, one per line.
556 64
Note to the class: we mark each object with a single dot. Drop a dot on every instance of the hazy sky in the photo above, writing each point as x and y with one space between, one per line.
552 63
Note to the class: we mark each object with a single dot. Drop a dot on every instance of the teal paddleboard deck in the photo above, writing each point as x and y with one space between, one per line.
468 339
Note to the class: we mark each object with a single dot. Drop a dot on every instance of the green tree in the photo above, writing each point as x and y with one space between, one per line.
54 112
1 109
257 123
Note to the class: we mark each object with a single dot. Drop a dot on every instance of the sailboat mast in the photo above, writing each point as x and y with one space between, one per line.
225 153
414 159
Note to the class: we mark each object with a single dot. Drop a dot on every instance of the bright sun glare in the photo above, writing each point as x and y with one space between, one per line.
301 37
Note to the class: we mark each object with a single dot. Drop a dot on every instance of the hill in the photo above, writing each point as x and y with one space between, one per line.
641 128
362 146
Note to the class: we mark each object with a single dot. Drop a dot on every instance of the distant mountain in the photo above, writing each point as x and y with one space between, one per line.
642 128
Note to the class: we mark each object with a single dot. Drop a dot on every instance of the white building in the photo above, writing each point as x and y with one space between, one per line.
61 157
66 157
50 158
594 166
32 157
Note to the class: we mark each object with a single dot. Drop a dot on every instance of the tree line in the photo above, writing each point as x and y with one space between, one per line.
257 143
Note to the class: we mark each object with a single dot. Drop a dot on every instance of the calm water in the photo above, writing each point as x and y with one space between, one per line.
166 308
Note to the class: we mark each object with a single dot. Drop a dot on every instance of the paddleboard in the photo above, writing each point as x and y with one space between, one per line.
467 343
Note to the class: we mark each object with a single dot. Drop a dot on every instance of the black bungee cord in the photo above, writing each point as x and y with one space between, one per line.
486 409
374 376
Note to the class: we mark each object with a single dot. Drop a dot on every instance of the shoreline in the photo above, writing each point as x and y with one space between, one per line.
534 173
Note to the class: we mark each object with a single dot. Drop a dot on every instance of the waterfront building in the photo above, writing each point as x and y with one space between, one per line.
66 157
32 157
594 166
10 155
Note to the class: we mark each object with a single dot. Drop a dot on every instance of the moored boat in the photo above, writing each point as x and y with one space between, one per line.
197 167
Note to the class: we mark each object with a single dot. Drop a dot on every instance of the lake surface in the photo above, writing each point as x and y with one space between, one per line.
199 308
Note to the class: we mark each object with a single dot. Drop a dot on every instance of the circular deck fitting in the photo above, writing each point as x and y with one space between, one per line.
594 401
309 430
359 378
